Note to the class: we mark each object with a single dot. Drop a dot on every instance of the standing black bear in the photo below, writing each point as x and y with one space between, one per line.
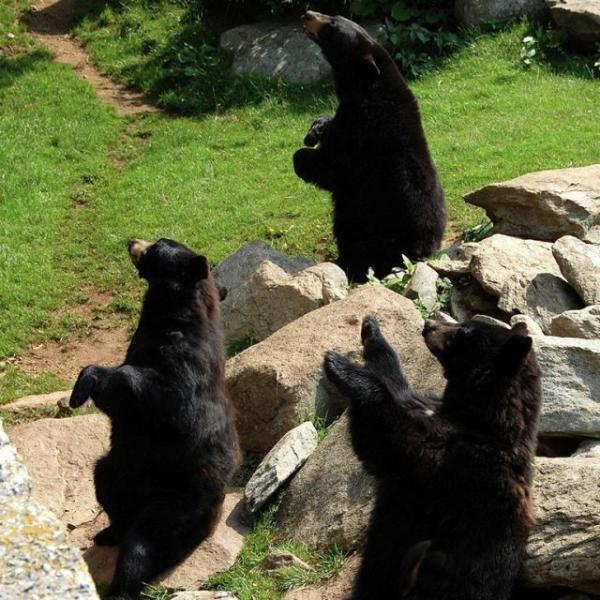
372 156
453 508
174 447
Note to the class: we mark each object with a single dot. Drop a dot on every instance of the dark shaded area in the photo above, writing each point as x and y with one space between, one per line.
555 593
56 19
553 447
12 68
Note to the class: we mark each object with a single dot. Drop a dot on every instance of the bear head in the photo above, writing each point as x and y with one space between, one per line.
348 48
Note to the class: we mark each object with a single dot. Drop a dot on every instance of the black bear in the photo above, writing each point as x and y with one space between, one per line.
372 156
174 448
453 474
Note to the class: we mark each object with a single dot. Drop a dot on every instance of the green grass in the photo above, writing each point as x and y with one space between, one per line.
247 580
77 181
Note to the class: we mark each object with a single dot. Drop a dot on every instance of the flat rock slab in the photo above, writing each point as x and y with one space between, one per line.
32 540
545 205
580 264
278 382
283 460
28 403
580 19
570 385
60 455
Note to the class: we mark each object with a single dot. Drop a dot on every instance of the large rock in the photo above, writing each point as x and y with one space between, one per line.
36 558
275 50
499 258
60 455
570 384
545 205
525 276
580 264
564 545
423 286
472 12
541 298
580 19
328 503
233 271
455 261
272 298
278 382
583 323
284 459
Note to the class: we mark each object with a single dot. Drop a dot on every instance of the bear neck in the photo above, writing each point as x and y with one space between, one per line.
506 408
389 86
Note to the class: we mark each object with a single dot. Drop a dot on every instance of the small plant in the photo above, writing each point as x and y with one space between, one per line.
478 232
541 44
399 279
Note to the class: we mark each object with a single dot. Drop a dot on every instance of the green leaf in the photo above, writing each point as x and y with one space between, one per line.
402 13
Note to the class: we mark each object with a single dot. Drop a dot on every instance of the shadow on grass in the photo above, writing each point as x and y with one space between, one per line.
13 67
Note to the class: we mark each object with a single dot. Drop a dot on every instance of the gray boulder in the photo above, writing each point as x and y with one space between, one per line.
423 286
584 323
272 298
580 264
275 50
532 326
455 261
276 468
277 383
472 12
570 384
580 19
545 205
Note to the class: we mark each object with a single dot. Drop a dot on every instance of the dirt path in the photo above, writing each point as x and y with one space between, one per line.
50 23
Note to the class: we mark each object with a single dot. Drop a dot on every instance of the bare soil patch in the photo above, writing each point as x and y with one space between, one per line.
49 22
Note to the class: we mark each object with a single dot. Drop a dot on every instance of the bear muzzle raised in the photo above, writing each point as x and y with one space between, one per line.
313 21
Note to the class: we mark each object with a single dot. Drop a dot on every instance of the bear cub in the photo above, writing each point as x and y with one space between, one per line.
372 156
174 447
453 474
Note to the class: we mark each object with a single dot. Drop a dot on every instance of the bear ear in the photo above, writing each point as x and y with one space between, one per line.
515 350
199 269
222 292
370 66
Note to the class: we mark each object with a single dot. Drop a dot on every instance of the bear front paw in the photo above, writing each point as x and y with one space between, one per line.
369 329
85 386
317 131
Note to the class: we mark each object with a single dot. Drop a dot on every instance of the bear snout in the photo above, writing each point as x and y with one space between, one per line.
313 21
137 249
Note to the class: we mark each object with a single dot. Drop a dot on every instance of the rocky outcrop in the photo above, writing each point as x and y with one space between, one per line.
272 298
277 382
545 205
570 385
580 264
583 323
525 277
35 552
284 459
580 19
328 503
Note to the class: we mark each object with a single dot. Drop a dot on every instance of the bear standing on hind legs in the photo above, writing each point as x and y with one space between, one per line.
174 448
372 156
453 474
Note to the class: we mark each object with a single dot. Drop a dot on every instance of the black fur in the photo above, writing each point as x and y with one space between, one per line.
174 448
453 474
372 156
